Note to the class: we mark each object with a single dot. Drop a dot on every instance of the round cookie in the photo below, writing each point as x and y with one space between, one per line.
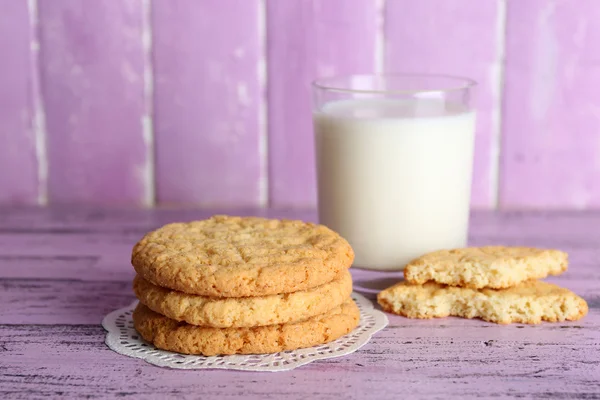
245 311
180 337
241 256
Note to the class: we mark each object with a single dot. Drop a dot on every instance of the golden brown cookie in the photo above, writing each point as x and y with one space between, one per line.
494 267
180 337
529 302
241 256
245 311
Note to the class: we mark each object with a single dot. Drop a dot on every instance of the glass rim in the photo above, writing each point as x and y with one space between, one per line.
328 83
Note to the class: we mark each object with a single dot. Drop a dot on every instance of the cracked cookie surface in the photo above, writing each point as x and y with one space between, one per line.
181 337
226 256
529 302
494 267
244 311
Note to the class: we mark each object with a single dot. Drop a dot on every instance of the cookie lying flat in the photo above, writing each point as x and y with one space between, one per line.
180 337
494 267
241 256
529 302
244 311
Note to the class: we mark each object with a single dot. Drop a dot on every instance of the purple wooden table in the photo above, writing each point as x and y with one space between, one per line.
62 270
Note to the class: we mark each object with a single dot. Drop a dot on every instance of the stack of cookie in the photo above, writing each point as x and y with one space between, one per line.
497 284
235 285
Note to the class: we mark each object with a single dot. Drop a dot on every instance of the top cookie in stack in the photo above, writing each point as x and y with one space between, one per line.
230 285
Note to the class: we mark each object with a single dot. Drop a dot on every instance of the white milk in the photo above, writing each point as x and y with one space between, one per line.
395 176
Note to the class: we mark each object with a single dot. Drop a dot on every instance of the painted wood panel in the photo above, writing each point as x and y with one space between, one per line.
551 143
177 96
92 85
429 359
18 161
431 36
307 40
208 101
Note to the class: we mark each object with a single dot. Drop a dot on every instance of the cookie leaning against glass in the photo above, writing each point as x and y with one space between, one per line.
208 287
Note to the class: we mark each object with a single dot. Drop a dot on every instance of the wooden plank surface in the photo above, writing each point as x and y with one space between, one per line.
18 161
465 361
551 147
93 89
446 37
208 101
51 341
307 40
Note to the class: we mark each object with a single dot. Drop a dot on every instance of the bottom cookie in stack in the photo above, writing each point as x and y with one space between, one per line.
194 324
168 334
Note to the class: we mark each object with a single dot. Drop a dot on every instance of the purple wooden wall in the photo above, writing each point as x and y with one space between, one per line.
19 165
551 123
307 39
208 102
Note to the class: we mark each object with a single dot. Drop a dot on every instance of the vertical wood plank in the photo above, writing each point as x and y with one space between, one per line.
92 85
208 101
18 162
307 40
551 142
453 37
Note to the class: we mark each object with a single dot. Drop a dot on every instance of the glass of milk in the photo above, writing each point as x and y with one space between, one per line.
394 163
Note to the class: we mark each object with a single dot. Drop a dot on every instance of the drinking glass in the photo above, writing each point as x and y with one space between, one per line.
394 163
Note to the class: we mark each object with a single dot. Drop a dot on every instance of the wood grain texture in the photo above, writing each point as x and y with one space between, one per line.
467 360
308 40
52 344
18 161
208 101
551 145
92 85
446 37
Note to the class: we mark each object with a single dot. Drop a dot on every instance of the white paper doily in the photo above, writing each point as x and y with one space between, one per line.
124 339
